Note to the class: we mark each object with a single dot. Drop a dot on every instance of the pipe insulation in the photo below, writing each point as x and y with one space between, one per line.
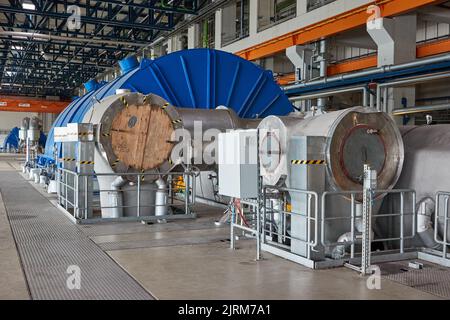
425 211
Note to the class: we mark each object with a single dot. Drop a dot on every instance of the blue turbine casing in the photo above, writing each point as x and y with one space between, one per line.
128 64
12 139
197 78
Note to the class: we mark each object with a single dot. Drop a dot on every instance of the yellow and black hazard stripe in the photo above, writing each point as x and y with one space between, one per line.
144 100
176 121
115 163
106 134
165 105
143 177
67 159
85 133
124 101
308 162
86 162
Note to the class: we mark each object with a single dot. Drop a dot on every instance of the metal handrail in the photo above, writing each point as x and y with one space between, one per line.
352 216
64 188
444 242
308 217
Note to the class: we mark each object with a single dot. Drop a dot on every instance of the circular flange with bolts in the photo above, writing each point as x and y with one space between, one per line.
136 134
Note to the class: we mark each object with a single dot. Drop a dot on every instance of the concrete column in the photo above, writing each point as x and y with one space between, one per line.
218 30
302 7
253 18
193 36
300 56
396 42
170 46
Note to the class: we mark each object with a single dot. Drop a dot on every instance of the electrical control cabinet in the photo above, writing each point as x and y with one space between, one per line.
238 164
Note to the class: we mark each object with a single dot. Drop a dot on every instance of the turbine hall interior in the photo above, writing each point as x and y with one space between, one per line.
225 150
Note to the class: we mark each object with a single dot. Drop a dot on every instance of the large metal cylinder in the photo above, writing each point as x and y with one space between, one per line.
354 137
427 154
138 133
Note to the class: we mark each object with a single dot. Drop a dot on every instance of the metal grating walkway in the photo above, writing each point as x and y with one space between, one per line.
432 278
48 243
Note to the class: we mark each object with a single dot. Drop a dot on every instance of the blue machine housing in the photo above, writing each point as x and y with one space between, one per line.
198 78
12 139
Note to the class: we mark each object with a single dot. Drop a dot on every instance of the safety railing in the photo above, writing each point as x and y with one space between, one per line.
243 217
441 218
327 221
75 196
274 219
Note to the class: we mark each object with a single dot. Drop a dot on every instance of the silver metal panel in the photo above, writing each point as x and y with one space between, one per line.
304 177
48 243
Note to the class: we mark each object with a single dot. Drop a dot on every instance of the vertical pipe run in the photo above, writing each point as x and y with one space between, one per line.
138 209
446 218
308 221
402 212
233 215
352 230
86 197
323 70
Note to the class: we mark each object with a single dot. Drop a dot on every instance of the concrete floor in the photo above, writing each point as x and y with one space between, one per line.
191 259
12 279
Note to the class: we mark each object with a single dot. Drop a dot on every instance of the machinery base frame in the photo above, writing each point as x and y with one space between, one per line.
330 263
170 217
434 257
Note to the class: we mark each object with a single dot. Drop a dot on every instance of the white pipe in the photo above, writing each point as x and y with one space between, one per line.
161 208
321 102
115 197
425 230
383 69
339 251
412 80
328 93
23 35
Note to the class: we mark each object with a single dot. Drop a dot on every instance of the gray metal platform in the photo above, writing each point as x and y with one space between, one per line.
48 243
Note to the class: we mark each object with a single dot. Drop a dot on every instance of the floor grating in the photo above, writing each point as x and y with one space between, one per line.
48 243
432 278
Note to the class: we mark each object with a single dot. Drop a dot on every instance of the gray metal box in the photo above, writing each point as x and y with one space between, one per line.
237 160
305 177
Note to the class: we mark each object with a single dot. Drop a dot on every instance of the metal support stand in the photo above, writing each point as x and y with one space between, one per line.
259 204
370 184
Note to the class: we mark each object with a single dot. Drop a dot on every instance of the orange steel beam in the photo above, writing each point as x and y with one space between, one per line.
23 104
433 48
423 51
353 65
343 22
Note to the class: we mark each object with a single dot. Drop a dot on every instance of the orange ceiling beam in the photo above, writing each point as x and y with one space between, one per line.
24 104
343 22
423 51
433 48
353 65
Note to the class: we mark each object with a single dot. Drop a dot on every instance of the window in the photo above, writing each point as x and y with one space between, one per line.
207 32
315 4
235 21
271 12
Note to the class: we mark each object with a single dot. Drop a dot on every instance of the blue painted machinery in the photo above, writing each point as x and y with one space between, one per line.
198 78
12 140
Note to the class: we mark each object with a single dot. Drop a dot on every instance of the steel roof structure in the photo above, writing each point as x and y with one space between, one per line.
46 51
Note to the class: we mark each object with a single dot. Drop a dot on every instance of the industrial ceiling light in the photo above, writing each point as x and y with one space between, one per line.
28 6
